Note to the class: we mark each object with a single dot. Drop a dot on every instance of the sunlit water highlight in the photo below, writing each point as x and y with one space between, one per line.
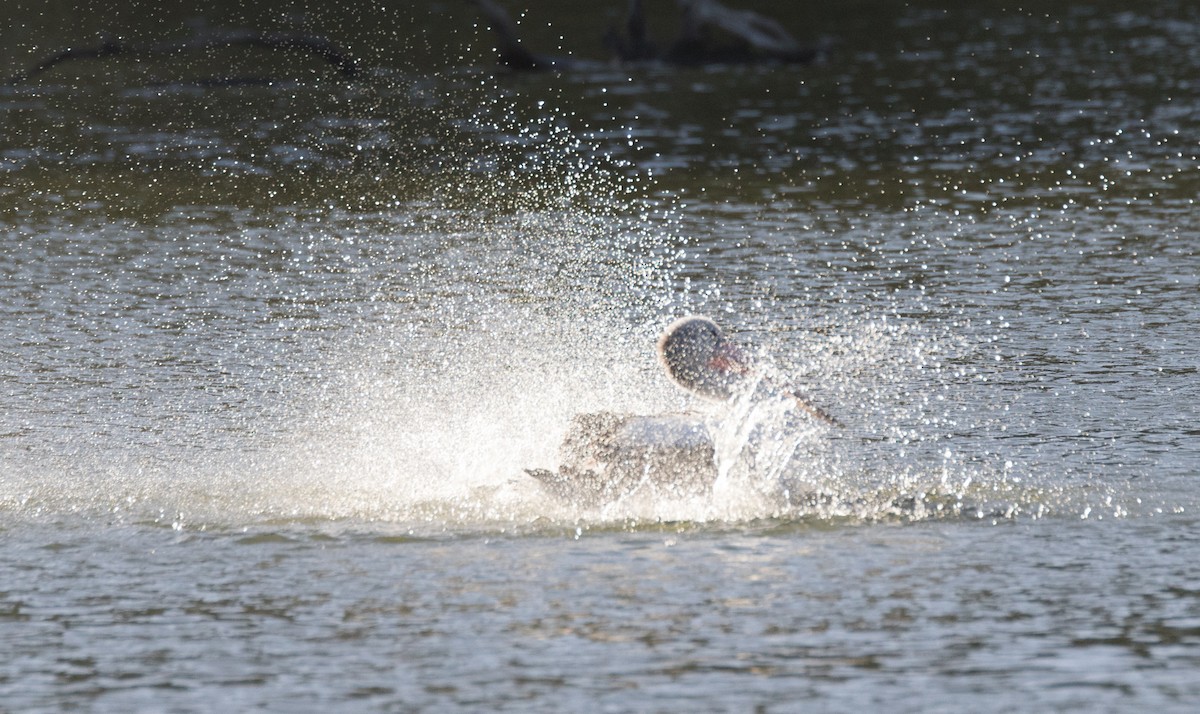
277 359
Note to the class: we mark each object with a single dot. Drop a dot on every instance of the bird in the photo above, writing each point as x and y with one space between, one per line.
698 356
607 457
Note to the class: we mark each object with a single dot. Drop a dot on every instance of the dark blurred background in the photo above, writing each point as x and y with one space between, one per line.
419 36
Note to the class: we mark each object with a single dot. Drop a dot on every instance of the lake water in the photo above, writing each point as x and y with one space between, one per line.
275 359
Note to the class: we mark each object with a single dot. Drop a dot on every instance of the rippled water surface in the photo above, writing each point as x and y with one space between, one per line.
274 358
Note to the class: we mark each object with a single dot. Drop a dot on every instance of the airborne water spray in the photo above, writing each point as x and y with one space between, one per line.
525 289
404 351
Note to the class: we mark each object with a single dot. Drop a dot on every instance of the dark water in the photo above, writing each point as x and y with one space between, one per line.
274 358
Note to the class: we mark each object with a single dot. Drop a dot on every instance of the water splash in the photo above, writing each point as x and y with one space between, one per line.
427 443
427 343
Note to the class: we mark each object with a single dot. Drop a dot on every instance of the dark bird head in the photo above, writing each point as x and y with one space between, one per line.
698 356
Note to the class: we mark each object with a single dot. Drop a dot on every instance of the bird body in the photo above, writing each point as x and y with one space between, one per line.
605 457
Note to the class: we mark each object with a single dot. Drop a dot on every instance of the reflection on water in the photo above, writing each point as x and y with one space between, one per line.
276 358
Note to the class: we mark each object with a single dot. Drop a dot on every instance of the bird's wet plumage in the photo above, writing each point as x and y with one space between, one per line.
606 457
